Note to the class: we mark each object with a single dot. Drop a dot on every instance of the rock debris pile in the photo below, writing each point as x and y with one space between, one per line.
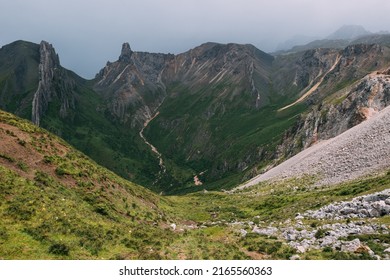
339 222
368 206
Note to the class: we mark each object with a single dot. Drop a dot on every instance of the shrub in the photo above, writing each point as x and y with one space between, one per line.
43 179
7 157
23 166
21 142
327 250
59 249
320 233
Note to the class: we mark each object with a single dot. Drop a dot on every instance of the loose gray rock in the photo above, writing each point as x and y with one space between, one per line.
243 232
295 257
351 246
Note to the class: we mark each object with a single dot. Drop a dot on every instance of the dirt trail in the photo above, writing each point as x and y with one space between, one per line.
313 88
361 150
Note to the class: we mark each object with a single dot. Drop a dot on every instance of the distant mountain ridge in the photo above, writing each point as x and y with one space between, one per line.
349 32
341 38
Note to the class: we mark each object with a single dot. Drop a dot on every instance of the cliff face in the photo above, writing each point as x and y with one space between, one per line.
245 68
54 85
133 86
345 109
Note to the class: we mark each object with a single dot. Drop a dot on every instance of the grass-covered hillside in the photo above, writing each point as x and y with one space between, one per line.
55 203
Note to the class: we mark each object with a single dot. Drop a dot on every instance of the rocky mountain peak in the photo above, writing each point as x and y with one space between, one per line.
126 53
48 54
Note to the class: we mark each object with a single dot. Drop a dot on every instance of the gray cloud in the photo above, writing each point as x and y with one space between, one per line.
87 33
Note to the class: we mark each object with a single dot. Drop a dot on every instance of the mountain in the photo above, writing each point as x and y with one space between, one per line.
341 38
209 118
35 86
380 39
349 32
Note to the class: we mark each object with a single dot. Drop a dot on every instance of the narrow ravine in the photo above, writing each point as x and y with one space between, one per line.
313 88
153 148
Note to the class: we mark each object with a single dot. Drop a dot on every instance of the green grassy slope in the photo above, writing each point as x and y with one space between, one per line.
55 203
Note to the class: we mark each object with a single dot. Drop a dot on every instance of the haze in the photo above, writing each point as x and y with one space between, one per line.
88 33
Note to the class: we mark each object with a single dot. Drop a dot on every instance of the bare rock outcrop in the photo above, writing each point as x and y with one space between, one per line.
54 82
133 86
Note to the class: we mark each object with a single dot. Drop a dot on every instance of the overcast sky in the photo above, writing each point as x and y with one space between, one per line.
88 33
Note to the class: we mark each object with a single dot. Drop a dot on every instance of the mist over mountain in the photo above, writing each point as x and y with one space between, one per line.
349 32
295 41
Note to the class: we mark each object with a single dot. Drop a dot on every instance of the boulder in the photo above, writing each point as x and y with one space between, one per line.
351 246
243 232
381 207
269 231
363 213
347 211
295 257
301 249
374 212
376 197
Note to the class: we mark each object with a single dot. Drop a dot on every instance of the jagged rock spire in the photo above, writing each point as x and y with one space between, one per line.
126 53
49 61
48 88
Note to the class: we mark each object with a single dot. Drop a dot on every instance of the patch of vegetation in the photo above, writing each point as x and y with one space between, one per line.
8 158
328 253
268 246
320 233
23 166
59 249
374 241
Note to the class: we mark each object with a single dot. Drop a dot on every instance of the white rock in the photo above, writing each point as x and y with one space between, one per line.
351 246
301 249
270 231
295 257
173 226
374 213
291 237
299 217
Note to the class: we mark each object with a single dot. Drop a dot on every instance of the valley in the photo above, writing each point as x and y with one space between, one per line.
220 152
